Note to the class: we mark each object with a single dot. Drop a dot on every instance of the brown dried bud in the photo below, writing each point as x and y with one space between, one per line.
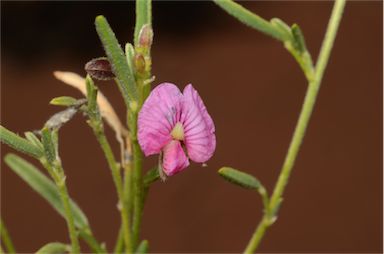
146 36
99 68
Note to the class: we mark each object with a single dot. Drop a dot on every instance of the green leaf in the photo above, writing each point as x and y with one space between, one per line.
19 143
151 176
125 79
92 96
249 18
283 28
48 144
143 247
143 17
299 38
54 248
33 139
66 101
130 54
45 187
239 178
298 49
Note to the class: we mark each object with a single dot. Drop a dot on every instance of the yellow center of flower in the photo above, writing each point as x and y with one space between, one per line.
178 132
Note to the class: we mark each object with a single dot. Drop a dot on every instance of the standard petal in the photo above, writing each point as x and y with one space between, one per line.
199 129
157 118
174 158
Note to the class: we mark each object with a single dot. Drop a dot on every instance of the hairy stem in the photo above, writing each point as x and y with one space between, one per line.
120 241
137 182
71 225
57 173
301 126
143 17
115 169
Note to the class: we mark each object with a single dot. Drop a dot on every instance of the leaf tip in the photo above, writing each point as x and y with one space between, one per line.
99 18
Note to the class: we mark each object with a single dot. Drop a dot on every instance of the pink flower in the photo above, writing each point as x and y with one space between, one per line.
177 126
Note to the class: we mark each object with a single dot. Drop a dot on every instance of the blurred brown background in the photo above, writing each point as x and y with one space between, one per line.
252 88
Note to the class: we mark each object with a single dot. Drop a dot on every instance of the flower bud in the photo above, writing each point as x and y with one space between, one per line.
99 68
139 63
146 36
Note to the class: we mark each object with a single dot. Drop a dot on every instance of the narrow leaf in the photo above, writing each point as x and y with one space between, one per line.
92 96
143 247
143 17
48 144
54 248
66 101
249 18
33 139
19 143
239 178
283 28
115 54
44 186
130 54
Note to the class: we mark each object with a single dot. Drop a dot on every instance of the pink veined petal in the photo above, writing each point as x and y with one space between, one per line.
199 129
157 118
174 158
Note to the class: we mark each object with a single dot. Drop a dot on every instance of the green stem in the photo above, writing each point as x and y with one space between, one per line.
120 241
6 239
143 17
71 225
128 188
257 235
301 126
137 185
57 173
115 168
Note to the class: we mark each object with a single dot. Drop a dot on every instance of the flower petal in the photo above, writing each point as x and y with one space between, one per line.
174 158
199 129
157 118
